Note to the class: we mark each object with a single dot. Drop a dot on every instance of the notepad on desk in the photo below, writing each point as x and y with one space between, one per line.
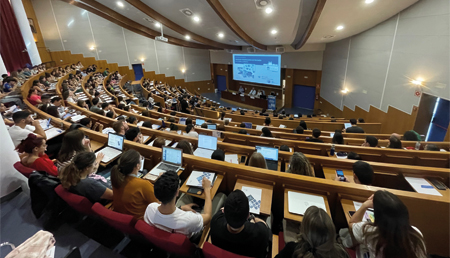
232 158
298 203
421 185
254 198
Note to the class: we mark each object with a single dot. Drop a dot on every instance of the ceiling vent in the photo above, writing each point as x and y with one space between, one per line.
149 20
328 36
251 50
187 12
279 49
261 4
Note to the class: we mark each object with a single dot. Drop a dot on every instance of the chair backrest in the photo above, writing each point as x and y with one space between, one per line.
77 202
170 242
123 222
212 251
26 171
74 253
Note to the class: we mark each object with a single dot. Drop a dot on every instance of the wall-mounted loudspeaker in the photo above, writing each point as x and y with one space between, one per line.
279 49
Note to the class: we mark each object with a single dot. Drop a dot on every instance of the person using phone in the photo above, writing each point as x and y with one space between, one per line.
362 173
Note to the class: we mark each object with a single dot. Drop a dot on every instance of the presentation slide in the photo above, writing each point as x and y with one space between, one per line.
264 69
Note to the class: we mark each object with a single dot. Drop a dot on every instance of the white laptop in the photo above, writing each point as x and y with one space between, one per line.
114 148
347 125
171 161
206 146
259 127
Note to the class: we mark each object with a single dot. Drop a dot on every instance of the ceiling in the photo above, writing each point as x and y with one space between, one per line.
243 24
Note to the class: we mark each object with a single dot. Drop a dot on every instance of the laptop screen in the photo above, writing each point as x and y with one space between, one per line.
347 125
212 127
248 125
259 127
199 121
296 116
115 141
182 120
172 155
207 142
225 119
267 152
234 109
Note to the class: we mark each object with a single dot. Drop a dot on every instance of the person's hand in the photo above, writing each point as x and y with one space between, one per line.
188 207
100 156
369 203
35 122
340 180
206 184
86 142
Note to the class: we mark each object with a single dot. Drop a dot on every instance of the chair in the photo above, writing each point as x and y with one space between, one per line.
77 202
212 251
26 171
170 242
74 253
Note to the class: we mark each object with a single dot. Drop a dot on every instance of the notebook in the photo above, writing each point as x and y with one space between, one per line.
254 198
114 148
206 146
298 203
171 160
270 155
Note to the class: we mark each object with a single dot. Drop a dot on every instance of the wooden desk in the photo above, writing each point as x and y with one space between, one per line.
445 193
184 188
296 217
152 178
330 173
266 195
256 102
96 145
347 205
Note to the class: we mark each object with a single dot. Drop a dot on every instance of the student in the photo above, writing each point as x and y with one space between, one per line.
119 127
299 164
299 130
371 141
362 173
285 148
131 194
132 120
242 125
190 131
159 142
242 131
147 124
257 160
218 155
186 147
303 124
167 216
24 124
75 178
73 142
354 128
82 104
134 134
431 147
267 121
338 138
353 155
411 136
394 143
361 120
317 238
35 158
266 132
391 235
316 134
235 230
53 111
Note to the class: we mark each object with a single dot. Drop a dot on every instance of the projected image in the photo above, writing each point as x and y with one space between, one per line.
264 69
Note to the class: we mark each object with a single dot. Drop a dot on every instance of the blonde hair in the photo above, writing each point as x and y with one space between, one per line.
257 160
299 164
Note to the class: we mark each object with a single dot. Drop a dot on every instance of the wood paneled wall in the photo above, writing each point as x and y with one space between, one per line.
394 121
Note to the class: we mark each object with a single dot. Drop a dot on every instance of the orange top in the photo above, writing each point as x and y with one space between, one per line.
134 196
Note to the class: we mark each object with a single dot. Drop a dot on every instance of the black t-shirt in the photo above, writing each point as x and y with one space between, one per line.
184 106
354 129
314 140
287 251
252 241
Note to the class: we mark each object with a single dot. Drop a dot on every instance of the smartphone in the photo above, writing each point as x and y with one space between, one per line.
242 159
351 213
340 174
195 190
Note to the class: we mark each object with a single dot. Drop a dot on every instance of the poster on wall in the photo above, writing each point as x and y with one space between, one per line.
271 102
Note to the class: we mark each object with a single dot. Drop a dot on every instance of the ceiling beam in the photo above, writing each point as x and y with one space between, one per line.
226 18
175 27
135 27
312 23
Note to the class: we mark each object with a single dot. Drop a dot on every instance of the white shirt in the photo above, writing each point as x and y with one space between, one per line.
192 134
182 222
18 134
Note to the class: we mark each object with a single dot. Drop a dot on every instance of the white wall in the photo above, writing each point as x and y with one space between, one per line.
378 64
67 27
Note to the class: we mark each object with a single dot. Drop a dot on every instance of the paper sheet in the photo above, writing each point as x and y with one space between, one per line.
43 124
145 137
254 198
232 158
298 203
422 186
196 177
53 132
140 123
51 252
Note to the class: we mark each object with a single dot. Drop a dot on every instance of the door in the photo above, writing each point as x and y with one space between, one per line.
304 96
439 122
221 83
138 72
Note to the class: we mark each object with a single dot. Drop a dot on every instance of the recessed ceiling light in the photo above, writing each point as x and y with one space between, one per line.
340 27
187 37
369 1
268 10
263 2
273 32
120 4
142 59
196 18
92 48
158 25
221 35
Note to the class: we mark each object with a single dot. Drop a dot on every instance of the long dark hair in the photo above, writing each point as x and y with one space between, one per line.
317 236
27 145
72 142
393 233
71 174
125 166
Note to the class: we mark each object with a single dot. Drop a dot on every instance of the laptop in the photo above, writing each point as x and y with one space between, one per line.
182 121
347 125
212 126
248 125
270 155
199 121
259 127
114 148
171 161
234 109
296 116
206 146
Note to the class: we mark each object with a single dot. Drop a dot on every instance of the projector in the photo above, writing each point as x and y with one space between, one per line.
161 38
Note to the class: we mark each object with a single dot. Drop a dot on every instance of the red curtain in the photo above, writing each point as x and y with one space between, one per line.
11 41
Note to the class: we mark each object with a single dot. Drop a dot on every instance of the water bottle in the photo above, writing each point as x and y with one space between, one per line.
332 150
417 146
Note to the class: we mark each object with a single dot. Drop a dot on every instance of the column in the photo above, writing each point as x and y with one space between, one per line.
2 66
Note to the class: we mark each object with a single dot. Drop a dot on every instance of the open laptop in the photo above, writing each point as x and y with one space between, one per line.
211 126
270 155
248 125
171 161
347 125
206 146
114 148
199 121
182 121
259 127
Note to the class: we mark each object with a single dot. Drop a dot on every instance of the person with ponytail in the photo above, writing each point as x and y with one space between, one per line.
73 142
317 238
390 235
132 194
34 148
75 178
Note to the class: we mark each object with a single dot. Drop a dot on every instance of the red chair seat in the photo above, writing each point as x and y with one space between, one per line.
77 202
123 222
170 242
26 171
212 251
